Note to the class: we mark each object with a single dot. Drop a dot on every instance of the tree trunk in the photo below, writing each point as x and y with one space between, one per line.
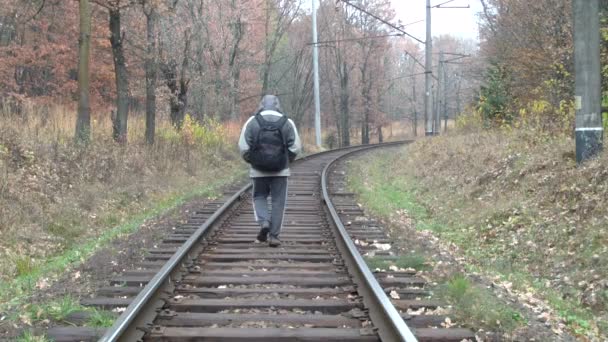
380 136
235 68
415 109
234 93
335 109
267 57
122 81
179 97
178 85
183 80
366 109
344 114
150 67
83 122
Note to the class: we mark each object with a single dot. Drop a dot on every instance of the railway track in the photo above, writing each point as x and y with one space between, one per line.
208 280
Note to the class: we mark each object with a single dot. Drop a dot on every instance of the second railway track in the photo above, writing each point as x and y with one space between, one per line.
211 282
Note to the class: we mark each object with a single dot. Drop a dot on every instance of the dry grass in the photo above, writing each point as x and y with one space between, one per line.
535 217
517 206
54 195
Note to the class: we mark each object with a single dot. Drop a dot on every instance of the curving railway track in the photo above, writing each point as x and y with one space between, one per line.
208 280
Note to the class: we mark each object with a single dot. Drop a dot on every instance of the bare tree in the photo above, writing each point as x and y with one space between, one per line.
120 69
337 28
83 123
177 80
150 67
276 25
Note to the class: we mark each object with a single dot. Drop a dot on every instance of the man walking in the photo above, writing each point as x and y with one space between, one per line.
269 142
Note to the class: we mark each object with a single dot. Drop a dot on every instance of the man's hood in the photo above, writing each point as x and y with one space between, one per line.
270 102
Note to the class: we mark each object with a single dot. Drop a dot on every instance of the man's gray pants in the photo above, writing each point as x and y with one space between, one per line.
276 188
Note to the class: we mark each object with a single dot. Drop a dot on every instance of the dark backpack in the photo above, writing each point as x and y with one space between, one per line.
269 150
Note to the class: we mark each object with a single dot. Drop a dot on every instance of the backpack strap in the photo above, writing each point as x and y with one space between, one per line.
282 121
263 122
260 119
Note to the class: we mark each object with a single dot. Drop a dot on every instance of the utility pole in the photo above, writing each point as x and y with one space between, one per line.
440 92
415 109
428 66
435 98
587 80
428 101
444 96
315 65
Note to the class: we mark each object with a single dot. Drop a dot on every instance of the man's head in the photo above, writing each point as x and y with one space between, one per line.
270 102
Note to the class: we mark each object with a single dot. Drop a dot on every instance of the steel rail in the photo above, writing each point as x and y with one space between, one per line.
120 328
131 324
125 327
383 314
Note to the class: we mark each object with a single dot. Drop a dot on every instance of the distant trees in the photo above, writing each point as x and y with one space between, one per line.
337 65
528 47
214 59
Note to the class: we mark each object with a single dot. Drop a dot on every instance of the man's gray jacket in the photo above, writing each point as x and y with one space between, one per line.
270 109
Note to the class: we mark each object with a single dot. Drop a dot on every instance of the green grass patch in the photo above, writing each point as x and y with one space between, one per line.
101 319
57 310
24 264
29 336
415 261
15 292
478 306
386 186
386 192
380 190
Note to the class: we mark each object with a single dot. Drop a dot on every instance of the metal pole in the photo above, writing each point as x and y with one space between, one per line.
428 66
587 80
315 65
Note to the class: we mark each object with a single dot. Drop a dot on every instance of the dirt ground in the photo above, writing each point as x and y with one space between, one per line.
446 260
107 263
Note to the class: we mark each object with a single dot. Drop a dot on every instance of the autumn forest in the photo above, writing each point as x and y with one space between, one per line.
118 117
214 59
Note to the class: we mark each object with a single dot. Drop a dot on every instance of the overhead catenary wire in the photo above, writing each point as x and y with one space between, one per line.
441 5
421 64
385 22
356 39
406 76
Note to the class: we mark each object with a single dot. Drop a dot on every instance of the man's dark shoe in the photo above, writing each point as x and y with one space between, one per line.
263 234
274 242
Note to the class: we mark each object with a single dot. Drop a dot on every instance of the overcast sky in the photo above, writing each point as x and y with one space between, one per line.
459 22
455 21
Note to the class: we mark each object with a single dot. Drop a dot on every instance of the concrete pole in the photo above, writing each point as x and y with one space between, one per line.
444 95
315 65
435 97
440 98
428 66
587 80
414 104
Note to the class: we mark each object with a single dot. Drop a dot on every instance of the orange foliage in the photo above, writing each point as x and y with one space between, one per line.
40 59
